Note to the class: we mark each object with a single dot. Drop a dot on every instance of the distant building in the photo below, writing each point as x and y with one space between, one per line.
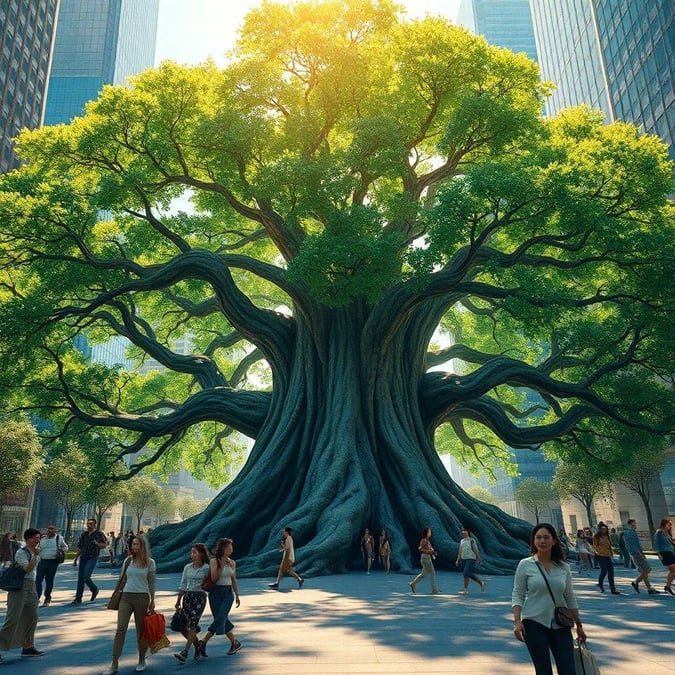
503 23
97 43
615 56
26 39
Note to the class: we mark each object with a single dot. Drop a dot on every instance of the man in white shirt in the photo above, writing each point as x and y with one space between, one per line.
50 545
287 560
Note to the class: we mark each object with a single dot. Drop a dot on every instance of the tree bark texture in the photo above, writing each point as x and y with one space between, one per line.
345 446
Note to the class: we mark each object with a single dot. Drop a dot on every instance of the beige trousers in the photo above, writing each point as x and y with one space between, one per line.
21 618
136 604
427 568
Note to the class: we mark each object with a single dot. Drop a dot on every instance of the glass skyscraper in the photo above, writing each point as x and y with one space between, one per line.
98 42
26 39
503 23
615 56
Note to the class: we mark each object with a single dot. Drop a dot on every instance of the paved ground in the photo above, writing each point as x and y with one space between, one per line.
356 623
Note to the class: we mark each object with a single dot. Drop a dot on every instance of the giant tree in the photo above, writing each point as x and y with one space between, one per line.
368 197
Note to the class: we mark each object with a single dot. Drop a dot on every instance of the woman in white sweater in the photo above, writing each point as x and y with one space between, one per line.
534 608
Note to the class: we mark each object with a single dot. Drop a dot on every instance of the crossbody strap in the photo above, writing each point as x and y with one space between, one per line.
543 574
123 579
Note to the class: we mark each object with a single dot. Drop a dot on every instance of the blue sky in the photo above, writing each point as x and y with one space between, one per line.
192 30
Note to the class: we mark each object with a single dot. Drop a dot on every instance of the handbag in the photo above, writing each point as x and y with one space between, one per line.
207 584
12 578
562 615
178 621
60 554
584 661
114 602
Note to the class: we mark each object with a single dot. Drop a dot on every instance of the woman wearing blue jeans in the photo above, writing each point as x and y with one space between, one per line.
223 571
468 554
534 608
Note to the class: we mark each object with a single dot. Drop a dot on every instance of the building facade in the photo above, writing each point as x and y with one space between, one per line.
503 23
98 43
618 57
26 40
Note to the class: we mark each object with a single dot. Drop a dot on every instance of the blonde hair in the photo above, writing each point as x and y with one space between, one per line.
143 557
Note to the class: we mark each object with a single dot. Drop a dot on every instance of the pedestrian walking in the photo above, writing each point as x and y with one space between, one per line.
469 556
21 618
192 598
385 550
623 550
602 546
53 549
543 574
223 572
287 559
89 546
583 550
664 545
427 557
638 557
138 598
368 548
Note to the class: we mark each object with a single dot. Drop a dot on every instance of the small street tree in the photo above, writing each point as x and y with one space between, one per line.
188 506
583 484
143 495
21 457
480 493
165 508
534 494
105 495
67 478
639 477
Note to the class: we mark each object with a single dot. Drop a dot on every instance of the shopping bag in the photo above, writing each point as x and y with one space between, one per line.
154 626
584 661
162 643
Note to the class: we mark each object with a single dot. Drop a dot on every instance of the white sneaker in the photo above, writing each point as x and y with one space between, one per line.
464 592
140 667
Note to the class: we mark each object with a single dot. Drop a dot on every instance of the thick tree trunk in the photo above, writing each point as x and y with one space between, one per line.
344 448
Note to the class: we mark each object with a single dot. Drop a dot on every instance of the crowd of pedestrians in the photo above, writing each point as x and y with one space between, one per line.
542 584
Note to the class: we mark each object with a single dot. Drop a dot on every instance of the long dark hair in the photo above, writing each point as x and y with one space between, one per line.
220 548
202 552
557 552
425 531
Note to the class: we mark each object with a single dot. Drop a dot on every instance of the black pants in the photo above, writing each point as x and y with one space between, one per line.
542 642
606 570
46 570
